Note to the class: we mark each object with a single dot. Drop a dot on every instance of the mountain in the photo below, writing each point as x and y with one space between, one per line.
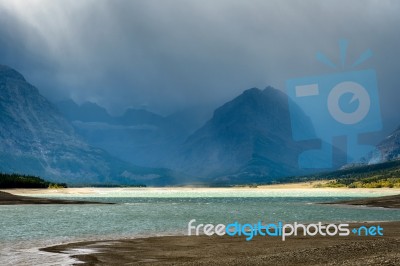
248 139
192 118
133 117
138 136
92 112
87 112
389 149
36 139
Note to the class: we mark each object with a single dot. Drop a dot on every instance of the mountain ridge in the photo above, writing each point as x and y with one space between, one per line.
245 136
138 136
247 139
36 139
387 150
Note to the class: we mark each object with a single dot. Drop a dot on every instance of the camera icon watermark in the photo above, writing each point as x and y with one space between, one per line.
342 104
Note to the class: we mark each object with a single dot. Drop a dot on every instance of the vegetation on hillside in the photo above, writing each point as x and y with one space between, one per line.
368 176
26 181
368 182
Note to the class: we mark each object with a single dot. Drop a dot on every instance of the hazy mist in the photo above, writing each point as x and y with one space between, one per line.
170 55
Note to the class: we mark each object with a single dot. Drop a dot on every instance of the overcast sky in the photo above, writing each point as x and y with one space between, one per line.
166 55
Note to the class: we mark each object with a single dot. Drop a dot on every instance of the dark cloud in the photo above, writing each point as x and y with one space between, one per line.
172 54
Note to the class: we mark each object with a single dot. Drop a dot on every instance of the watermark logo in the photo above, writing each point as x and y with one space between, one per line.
280 229
341 104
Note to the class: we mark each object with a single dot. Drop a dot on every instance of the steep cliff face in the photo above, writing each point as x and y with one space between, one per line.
248 136
36 139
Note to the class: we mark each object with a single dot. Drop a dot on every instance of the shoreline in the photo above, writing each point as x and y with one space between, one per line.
205 250
371 197
12 199
389 202
276 187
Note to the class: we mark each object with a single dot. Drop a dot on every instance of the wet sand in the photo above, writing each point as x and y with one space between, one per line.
214 250
11 199
384 202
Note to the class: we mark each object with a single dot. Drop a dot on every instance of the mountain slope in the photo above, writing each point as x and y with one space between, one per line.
389 149
87 112
137 136
247 139
36 139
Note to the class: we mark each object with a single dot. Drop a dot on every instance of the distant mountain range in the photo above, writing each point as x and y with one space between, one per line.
36 139
248 139
137 136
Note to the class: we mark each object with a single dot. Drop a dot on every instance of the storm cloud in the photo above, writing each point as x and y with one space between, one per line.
169 55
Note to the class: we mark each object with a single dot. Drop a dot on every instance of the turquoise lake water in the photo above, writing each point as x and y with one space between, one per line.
138 213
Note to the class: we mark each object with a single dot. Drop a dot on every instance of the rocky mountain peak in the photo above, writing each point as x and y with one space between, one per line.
9 73
252 132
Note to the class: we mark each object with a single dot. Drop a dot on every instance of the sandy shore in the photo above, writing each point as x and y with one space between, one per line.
307 186
40 191
384 202
203 250
15 198
10 199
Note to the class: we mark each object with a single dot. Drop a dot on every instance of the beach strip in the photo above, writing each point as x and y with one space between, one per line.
224 250
392 202
11 199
